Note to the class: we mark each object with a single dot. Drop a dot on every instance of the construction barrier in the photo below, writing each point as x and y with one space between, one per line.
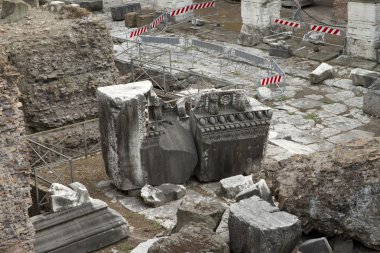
161 40
138 31
157 21
325 29
287 22
271 80
207 45
192 7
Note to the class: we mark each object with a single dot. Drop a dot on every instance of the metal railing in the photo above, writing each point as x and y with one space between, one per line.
59 147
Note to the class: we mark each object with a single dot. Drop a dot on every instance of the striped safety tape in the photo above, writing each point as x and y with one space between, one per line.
325 29
287 22
138 31
271 80
192 7
157 21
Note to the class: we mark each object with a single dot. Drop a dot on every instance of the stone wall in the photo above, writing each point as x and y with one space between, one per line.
340 9
63 64
16 231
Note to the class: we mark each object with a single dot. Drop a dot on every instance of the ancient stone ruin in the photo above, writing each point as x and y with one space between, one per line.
145 141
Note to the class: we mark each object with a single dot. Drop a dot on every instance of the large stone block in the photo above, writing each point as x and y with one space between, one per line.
143 142
13 10
91 5
80 229
256 226
199 211
144 19
192 238
323 72
118 12
371 100
363 77
230 133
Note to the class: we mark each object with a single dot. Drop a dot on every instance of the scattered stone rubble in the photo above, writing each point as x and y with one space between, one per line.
78 223
157 196
324 187
232 186
323 72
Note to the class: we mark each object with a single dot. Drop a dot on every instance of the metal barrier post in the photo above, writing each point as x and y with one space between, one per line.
71 170
133 70
36 188
85 139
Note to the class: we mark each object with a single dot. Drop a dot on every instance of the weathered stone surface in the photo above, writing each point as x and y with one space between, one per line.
343 246
91 5
157 196
199 211
371 100
326 186
363 77
80 229
144 246
230 133
320 245
131 19
247 193
118 12
222 230
256 18
144 19
62 197
257 226
140 148
323 72
280 50
16 230
62 69
265 193
232 186
192 238
13 10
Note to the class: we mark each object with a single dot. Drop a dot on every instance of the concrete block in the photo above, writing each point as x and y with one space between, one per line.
363 77
257 226
323 72
118 12
131 19
371 100
280 50
144 19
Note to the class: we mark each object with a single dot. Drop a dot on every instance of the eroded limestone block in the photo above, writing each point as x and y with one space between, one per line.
230 132
257 226
192 238
13 10
363 77
319 245
199 211
84 228
371 100
118 12
323 72
232 186
157 196
63 197
143 141
256 18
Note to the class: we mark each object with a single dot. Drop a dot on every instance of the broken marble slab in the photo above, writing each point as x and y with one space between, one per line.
292 147
351 136
321 73
232 186
157 196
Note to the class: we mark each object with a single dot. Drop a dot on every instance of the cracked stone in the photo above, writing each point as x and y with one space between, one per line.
351 136
341 96
342 123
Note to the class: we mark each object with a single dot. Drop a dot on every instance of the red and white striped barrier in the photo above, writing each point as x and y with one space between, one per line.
157 21
325 29
287 22
138 31
192 7
271 80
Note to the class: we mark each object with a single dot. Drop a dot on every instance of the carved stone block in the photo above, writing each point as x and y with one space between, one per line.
230 134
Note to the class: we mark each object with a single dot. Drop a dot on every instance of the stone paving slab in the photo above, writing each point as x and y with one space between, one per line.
292 146
342 123
351 136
